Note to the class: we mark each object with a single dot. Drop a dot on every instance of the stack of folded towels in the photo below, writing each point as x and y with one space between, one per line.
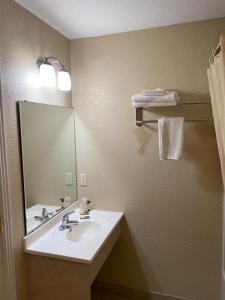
155 98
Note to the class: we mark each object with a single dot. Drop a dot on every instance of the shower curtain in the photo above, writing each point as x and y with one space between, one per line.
216 78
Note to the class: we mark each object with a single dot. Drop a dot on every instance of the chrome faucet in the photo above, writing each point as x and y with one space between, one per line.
44 216
67 223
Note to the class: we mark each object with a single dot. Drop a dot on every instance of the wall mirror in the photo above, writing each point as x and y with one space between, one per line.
48 157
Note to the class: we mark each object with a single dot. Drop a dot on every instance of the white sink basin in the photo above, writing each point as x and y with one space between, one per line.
86 229
82 243
83 231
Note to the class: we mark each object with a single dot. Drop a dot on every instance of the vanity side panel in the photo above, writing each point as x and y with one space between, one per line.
55 279
100 259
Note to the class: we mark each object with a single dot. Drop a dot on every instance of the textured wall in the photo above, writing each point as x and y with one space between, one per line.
23 39
172 236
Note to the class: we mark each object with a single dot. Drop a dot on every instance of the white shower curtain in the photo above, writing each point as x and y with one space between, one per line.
216 78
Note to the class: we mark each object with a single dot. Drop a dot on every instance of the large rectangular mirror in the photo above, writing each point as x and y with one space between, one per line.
48 157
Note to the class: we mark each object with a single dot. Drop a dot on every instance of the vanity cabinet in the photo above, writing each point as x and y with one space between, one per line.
56 274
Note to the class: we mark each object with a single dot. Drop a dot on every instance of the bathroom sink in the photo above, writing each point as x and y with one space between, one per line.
83 231
86 229
82 243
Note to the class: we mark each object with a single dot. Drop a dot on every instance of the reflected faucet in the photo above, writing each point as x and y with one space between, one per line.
67 223
44 216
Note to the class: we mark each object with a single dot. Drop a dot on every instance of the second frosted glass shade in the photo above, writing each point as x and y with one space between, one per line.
64 80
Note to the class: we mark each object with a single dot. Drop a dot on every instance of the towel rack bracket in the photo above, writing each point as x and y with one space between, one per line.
139 117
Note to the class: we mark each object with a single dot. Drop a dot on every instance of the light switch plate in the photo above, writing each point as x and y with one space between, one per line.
83 179
69 179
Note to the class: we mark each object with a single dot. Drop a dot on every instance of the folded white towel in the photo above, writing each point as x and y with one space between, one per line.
155 92
169 98
170 131
155 101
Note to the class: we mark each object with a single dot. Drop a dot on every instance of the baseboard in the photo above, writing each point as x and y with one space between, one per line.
132 292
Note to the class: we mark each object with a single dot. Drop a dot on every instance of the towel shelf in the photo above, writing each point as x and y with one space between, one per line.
192 102
140 122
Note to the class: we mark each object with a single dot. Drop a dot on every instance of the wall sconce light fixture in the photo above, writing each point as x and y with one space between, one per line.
48 76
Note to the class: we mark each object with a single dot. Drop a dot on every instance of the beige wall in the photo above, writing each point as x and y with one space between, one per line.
23 39
172 234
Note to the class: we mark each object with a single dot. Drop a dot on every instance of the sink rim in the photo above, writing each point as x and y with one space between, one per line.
41 242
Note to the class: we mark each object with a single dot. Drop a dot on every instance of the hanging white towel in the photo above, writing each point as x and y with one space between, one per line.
170 131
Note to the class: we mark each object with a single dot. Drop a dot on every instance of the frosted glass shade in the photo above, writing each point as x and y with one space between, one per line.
64 81
47 75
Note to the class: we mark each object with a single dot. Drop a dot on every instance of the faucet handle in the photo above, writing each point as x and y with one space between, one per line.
66 216
66 223
44 212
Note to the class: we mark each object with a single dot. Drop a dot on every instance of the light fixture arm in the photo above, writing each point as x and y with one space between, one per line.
48 74
51 60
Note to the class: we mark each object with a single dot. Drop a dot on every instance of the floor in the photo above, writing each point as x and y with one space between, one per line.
104 295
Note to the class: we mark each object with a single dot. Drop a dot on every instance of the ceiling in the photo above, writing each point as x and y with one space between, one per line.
86 18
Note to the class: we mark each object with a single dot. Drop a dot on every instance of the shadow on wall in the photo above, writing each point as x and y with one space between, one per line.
201 133
144 135
126 252
197 137
195 134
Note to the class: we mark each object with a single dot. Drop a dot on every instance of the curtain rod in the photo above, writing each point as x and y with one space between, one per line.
214 53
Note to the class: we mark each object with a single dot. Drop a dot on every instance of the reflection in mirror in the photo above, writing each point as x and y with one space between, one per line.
48 156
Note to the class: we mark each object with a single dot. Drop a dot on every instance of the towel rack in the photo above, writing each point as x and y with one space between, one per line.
140 122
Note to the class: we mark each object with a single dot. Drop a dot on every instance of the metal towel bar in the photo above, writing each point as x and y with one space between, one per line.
140 122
